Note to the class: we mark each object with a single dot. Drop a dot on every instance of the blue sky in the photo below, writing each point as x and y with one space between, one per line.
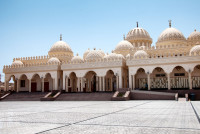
30 27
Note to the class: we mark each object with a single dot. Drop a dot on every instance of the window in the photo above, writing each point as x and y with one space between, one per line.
160 75
179 74
22 83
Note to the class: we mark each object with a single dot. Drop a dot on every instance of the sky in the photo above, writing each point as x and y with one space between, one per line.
31 27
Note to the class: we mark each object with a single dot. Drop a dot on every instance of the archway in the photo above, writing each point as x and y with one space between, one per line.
48 83
179 78
11 83
90 82
158 79
196 77
110 81
141 79
36 84
72 82
23 83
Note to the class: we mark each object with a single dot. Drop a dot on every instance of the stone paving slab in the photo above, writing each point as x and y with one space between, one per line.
100 129
161 117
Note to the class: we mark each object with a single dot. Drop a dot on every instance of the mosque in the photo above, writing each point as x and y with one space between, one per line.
173 64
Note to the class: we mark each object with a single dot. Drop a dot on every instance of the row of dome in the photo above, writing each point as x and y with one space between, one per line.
99 54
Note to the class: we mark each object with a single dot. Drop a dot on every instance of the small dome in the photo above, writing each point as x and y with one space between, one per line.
86 53
112 56
171 34
17 63
77 59
194 36
124 45
195 49
60 46
94 54
138 34
53 60
102 52
128 56
140 53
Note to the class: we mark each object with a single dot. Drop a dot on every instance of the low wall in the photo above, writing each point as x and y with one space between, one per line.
151 95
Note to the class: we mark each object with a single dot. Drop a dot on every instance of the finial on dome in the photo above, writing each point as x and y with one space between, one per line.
124 36
170 23
77 54
195 30
112 51
60 37
137 23
94 48
88 48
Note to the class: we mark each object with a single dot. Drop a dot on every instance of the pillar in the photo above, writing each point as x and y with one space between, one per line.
56 83
54 86
78 82
103 83
149 81
66 81
190 80
97 85
120 81
111 84
100 84
169 82
5 85
29 85
81 84
18 85
130 82
117 82
133 80
42 84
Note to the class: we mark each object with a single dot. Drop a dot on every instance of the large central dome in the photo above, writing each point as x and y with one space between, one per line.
60 48
139 37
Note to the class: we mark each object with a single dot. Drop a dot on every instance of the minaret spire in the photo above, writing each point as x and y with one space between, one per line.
60 37
137 23
170 23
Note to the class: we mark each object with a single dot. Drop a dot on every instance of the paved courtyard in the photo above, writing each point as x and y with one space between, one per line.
123 117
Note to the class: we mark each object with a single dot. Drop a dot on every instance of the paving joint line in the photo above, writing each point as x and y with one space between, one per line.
195 113
93 117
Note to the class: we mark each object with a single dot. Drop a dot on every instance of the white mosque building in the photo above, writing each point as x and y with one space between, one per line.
174 63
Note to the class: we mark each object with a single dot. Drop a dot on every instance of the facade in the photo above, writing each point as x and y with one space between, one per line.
174 63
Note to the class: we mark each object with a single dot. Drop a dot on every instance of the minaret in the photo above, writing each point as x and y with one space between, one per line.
60 37
170 23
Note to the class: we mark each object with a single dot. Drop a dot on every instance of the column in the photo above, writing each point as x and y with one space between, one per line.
54 86
56 83
149 81
133 80
5 85
103 83
100 84
42 84
66 81
14 88
120 81
78 82
190 80
130 82
29 85
18 85
111 84
169 82
117 82
81 84
97 85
